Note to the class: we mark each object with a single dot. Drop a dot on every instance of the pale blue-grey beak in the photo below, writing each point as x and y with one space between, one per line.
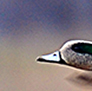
54 57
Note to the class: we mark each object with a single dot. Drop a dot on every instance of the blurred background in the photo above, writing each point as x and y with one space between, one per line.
29 28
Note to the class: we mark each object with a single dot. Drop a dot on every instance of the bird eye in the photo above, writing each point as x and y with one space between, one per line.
54 54
76 48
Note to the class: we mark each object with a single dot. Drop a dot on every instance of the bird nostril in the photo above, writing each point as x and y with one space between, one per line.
54 54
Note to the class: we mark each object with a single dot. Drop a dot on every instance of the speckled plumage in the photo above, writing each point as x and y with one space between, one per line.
80 57
78 60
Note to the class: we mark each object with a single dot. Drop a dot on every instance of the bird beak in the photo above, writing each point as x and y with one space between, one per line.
51 57
40 59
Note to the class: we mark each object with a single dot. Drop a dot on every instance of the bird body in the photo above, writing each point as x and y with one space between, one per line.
75 53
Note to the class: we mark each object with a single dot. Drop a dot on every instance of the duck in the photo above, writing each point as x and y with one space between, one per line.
73 53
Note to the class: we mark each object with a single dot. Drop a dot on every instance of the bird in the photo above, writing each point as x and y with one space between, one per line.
74 53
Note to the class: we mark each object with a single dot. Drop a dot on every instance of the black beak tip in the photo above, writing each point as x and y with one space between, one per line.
39 59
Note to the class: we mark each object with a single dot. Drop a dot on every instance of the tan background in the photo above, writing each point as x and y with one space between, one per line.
29 28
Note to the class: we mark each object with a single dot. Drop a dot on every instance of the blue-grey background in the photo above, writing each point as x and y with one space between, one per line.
29 28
